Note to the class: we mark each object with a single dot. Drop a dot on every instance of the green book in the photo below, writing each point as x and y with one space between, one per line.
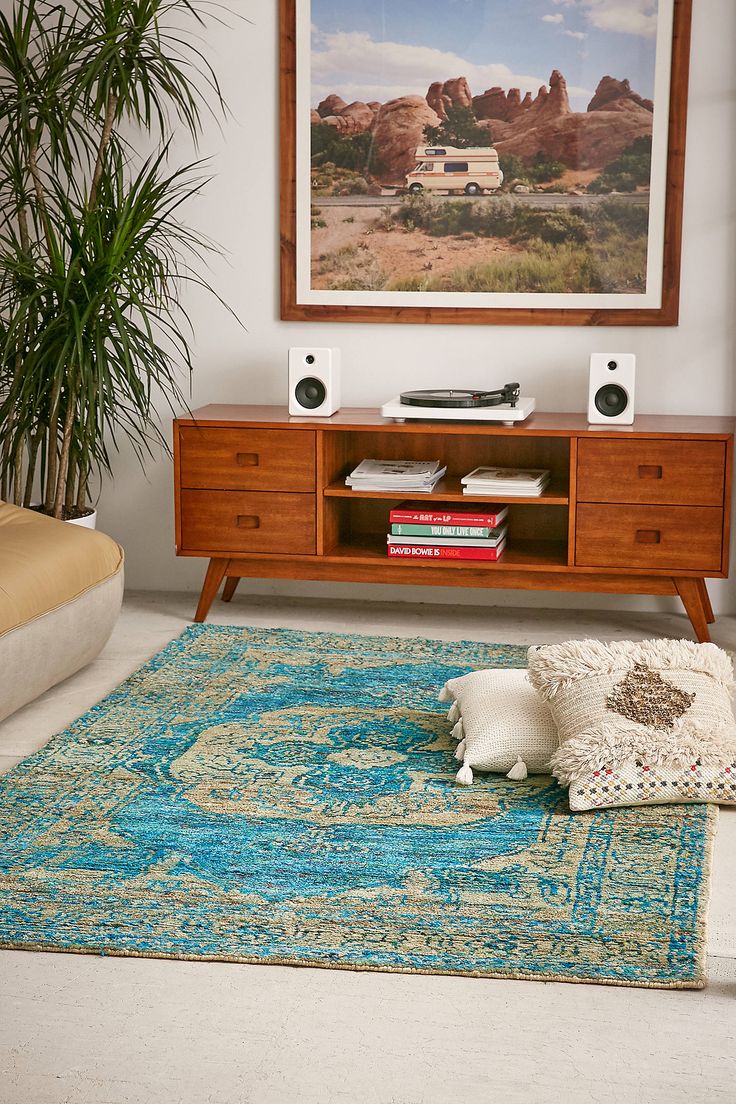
470 531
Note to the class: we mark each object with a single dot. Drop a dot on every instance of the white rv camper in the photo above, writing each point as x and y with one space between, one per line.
446 169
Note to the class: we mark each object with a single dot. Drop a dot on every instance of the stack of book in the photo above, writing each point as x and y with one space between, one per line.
447 532
519 482
414 476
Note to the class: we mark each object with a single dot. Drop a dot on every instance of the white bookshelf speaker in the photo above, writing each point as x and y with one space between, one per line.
612 389
314 382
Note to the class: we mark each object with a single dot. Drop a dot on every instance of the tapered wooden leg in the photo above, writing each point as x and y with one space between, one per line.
231 585
690 593
710 617
213 578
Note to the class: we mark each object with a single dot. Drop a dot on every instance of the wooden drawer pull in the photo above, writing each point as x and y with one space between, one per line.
650 471
247 459
648 536
249 521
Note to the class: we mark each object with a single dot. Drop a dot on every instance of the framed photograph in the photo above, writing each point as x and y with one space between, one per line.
496 162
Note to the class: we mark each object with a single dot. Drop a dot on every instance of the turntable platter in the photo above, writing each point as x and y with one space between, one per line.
462 399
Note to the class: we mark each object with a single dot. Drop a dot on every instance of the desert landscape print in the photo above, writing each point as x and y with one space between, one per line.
482 145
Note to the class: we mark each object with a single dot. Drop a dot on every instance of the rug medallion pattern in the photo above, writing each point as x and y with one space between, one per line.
285 797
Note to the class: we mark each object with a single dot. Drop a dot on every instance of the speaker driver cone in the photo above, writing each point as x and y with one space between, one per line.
611 400
310 393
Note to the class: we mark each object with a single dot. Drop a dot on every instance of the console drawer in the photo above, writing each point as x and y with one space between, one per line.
247 459
247 521
669 538
684 473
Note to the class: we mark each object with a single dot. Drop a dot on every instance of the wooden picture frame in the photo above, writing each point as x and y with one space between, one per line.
298 307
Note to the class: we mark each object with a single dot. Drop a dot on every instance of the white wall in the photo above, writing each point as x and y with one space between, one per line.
681 370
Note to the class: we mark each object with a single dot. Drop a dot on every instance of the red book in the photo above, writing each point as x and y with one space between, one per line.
450 513
434 552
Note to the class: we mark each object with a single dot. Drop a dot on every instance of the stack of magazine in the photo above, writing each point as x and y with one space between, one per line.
447 531
412 476
518 482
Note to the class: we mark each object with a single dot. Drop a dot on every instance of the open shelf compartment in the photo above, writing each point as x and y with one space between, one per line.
356 523
356 529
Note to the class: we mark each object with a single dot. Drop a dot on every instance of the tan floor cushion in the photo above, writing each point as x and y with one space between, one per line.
46 563
61 587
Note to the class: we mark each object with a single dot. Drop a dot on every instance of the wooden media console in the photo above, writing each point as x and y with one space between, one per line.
642 509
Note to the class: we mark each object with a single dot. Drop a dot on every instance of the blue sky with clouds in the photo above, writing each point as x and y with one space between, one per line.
378 49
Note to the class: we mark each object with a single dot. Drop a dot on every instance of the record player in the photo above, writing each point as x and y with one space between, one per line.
507 405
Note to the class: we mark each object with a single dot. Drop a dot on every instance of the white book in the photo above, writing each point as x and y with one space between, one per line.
513 476
412 470
420 482
502 492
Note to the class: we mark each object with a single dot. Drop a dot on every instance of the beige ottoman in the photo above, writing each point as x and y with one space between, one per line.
61 587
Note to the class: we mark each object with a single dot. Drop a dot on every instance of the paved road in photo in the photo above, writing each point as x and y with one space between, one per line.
538 199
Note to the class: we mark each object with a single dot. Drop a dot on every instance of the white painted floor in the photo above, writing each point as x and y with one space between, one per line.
87 1030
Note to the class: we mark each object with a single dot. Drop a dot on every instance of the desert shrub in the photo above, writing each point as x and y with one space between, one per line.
413 283
544 169
501 218
316 218
512 167
621 262
618 216
352 269
553 227
630 170
331 179
543 268
460 130
345 151
540 170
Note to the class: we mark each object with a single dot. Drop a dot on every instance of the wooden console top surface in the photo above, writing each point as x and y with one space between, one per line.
539 424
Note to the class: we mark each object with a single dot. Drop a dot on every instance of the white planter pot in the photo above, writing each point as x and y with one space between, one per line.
88 522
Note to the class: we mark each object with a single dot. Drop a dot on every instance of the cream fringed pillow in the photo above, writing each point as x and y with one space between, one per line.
501 723
640 723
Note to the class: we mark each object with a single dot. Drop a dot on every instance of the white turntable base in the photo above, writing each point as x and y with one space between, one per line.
504 413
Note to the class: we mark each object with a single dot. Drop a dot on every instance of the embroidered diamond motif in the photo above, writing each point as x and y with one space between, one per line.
647 698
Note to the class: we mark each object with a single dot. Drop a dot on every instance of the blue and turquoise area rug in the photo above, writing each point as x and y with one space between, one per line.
283 797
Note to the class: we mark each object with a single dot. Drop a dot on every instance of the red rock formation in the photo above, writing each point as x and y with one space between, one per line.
497 104
397 131
315 116
436 100
558 100
546 124
451 93
360 116
491 105
333 105
614 95
519 127
579 140
459 92
354 118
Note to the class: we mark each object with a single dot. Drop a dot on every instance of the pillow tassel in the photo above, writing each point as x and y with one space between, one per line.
464 776
460 751
445 694
454 714
457 732
518 772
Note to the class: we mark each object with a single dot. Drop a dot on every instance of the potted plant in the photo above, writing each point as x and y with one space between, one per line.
93 252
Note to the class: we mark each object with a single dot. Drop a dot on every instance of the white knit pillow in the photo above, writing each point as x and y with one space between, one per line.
629 713
501 723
